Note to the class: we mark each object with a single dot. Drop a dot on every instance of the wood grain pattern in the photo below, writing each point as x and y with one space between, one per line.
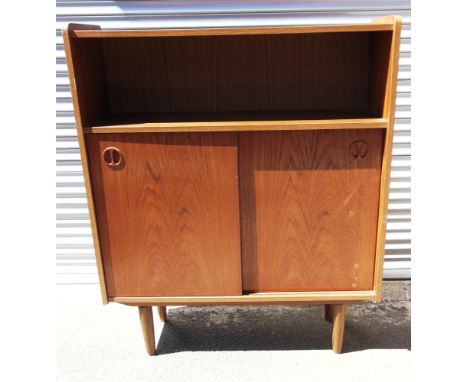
305 72
80 108
168 217
162 312
338 321
320 297
382 26
389 113
147 327
282 72
316 75
309 209
237 125
379 61
88 76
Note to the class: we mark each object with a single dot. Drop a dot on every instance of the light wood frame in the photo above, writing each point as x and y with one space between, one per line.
388 23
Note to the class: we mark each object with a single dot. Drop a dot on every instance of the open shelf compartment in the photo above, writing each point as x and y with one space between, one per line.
166 81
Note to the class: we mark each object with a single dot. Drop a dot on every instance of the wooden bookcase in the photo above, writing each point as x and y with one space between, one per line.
237 165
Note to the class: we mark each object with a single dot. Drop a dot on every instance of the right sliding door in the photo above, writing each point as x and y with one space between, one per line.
309 209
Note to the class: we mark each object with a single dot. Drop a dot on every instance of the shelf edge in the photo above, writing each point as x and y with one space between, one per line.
184 127
83 33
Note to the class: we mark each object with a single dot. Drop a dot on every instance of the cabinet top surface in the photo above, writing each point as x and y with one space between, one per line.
82 31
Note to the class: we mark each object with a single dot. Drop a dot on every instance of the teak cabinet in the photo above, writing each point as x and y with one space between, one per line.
237 165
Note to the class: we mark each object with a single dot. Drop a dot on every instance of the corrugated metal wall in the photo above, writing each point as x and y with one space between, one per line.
75 255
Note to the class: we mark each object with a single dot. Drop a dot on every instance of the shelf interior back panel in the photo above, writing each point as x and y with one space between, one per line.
322 74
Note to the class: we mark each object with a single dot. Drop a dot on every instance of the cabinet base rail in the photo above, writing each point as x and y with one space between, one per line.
286 298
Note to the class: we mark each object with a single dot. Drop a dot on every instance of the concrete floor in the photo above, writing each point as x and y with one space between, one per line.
270 343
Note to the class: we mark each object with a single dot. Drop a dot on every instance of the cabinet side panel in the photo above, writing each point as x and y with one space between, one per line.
80 111
309 204
389 113
88 62
379 60
168 215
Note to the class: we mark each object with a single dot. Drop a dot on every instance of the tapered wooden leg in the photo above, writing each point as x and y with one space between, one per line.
162 313
338 318
329 312
147 326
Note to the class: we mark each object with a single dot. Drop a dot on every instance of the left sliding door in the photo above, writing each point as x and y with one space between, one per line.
167 209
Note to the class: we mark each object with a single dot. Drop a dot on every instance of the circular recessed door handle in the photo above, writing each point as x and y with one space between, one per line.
358 149
112 156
